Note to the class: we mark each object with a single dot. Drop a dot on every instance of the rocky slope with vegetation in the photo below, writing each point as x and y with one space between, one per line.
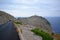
28 27
37 22
4 17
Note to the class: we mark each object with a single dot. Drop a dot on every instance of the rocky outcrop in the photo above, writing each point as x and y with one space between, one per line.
37 22
4 17
28 35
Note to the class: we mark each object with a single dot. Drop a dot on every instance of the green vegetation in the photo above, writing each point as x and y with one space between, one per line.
44 35
18 23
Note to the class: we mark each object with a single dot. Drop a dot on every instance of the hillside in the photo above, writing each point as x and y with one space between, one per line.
37 22
4 17
25 25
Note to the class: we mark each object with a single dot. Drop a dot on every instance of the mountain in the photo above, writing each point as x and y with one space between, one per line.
37 22
4 17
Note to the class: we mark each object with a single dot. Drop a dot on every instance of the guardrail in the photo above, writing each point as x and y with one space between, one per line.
19 31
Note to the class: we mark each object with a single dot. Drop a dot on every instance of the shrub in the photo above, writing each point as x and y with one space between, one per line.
44 35
18 23
52 33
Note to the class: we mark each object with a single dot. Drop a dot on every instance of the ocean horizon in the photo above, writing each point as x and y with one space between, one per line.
55 23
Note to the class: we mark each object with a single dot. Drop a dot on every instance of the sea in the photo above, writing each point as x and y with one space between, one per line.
55 23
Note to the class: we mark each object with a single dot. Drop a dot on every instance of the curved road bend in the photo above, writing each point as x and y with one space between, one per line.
8 32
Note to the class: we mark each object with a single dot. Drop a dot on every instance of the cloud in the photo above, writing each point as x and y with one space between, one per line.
24 7
26 1
31 7
20 13
19 7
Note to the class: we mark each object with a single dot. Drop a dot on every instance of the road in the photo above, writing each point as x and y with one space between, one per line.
8 32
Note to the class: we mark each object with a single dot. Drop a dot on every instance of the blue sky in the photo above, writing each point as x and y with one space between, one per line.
25 8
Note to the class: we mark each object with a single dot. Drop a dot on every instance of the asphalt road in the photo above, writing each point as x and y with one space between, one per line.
8 32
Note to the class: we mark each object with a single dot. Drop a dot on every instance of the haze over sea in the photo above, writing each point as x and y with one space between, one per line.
55 23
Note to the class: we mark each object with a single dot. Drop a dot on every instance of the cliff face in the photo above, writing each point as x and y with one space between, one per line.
38 22
4 17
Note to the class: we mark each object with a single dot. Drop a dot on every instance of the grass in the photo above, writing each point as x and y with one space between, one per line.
44 35
18 23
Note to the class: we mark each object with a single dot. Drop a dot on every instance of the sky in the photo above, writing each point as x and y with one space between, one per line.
26 8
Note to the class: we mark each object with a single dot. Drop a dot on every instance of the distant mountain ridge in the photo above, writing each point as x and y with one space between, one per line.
4 17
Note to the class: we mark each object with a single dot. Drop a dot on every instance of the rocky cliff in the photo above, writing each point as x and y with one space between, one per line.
27 24
37 22
4 17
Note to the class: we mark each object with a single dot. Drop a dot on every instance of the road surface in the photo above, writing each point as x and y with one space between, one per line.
8 32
